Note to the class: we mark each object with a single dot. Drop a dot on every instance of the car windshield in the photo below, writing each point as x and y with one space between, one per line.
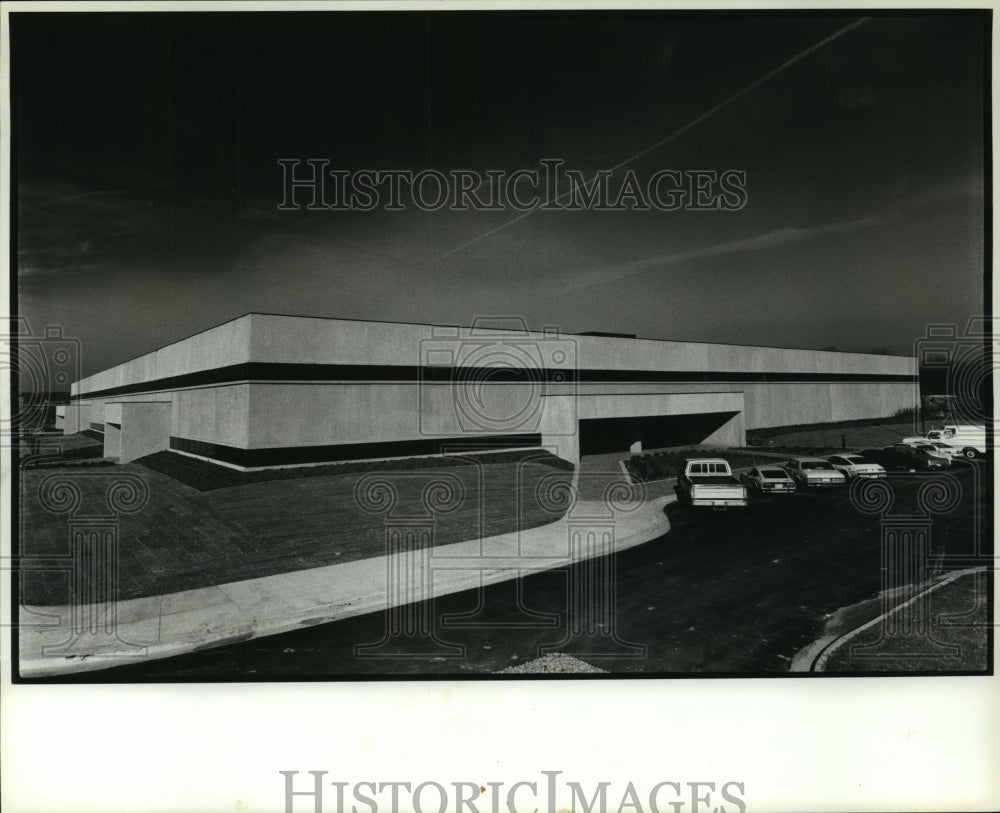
854 459
814 465
774 474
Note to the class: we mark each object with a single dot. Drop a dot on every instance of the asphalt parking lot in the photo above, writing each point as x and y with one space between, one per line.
731 593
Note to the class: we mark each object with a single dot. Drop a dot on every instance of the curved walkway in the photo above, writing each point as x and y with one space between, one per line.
67 639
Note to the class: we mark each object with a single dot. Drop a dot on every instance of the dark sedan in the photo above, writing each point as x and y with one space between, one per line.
903 457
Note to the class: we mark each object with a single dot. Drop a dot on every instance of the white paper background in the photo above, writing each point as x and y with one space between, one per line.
798 744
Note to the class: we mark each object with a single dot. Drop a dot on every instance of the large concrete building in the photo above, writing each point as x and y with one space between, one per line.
267 390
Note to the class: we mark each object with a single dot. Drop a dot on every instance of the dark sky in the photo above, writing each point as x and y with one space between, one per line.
148 183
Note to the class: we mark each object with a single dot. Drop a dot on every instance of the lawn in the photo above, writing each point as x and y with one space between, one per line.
827 440
958 619
51 449
183 538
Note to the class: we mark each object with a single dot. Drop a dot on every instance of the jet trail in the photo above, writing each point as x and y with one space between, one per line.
693 123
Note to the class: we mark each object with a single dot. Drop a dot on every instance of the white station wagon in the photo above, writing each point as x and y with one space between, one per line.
814 472
854 465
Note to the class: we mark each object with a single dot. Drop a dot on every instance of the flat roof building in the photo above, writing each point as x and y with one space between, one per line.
266 390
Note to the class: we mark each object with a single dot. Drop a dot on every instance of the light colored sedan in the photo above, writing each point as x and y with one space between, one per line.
854 465
814 472
769 480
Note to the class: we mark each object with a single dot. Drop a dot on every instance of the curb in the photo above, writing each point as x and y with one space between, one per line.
222 620
813 658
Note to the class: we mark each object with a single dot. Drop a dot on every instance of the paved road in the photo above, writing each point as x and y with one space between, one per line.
736 592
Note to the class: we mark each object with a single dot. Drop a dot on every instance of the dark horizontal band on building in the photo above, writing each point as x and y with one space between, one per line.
398 373
298 455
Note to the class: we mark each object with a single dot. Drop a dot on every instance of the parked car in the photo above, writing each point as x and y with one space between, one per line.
935 450
903 457
934 447
813 472
769 480
854 465
710 482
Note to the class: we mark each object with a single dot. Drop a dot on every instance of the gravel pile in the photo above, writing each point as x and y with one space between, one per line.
553 664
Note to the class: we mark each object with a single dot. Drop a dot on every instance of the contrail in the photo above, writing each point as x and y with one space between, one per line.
693 123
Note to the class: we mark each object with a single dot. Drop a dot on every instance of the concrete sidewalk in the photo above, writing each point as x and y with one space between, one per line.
63 640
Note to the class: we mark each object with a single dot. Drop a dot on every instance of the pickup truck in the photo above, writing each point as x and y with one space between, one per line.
965 440
971 440
710 481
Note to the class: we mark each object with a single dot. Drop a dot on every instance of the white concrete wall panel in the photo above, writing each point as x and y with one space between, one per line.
145 429
113 412
321 414
731 433
302 340
214 415
306 340
623 406
112 441
91 412
310 340
220 346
